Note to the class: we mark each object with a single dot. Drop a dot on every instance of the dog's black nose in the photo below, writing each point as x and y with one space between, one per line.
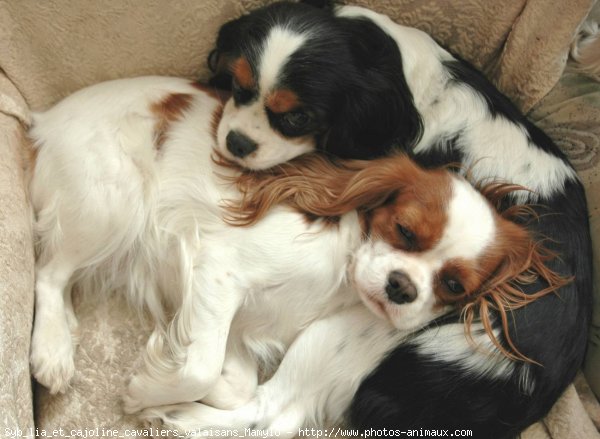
240 145
400 288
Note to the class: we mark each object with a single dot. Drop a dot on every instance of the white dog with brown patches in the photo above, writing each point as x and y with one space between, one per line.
127 196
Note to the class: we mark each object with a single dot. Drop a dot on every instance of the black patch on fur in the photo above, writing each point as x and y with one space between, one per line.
245 36
410 391
321 4
347 74
498 104
444 152
375 110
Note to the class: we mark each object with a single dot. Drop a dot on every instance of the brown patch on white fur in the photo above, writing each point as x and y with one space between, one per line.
216 93
242 72
316 185
169 110
282 101
216 120
380 190
523 260
422 210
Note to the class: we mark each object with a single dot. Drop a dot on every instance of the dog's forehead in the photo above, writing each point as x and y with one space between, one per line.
470 226
279 45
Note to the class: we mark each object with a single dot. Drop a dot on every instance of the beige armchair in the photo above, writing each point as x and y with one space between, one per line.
52 48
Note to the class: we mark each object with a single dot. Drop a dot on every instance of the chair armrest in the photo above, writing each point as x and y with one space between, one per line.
16 283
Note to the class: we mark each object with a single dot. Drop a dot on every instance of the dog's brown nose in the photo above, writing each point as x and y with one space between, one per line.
240 145
400 288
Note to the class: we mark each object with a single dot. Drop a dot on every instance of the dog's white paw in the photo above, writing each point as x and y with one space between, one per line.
164 388
51 358
143 391
134 398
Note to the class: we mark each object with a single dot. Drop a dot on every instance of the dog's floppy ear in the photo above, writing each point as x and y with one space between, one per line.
376 113
226 50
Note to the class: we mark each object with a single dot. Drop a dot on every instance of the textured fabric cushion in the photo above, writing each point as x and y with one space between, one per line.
50 49
111 335
16 282
567 419
53 48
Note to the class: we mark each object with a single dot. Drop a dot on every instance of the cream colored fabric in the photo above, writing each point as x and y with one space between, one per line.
588 399
16 282
110 339
52 48
12 102
536 49
568 418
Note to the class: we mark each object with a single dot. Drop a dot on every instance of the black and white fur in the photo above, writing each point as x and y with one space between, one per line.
346 73
377 85
464 117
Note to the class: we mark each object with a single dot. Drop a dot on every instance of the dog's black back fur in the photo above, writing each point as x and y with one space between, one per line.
354 72
410 390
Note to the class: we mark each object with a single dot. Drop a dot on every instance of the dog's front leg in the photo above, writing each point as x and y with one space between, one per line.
183 362
314 384
239 378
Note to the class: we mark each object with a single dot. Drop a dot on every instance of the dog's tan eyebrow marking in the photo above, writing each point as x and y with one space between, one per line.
168 110
215 120
216 93
282 101
242 72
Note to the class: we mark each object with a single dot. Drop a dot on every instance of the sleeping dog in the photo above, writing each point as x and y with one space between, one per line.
431 245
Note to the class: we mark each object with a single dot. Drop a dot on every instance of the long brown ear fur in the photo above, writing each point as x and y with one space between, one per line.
525 263
314 184
317 185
